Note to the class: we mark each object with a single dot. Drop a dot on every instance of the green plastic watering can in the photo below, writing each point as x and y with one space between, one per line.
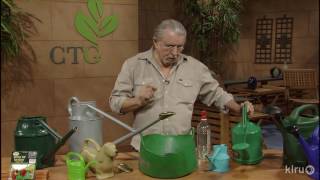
246 141
293 154
77 167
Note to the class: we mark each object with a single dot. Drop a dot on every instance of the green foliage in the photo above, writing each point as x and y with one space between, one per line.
16 27
87 27
213 24
95 26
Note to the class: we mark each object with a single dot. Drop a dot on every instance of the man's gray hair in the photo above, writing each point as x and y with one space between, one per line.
170 24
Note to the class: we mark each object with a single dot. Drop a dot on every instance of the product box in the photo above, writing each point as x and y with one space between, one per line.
23 165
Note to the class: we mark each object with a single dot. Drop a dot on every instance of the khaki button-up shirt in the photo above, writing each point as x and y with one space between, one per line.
189 79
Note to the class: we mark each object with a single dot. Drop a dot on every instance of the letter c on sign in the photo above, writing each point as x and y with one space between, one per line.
52 55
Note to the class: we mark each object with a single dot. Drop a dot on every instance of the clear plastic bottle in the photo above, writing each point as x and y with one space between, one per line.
203 137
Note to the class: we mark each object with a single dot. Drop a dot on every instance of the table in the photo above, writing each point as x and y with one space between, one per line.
261 94
269 168
262 80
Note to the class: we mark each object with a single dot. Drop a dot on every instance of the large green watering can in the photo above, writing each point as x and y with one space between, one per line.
293 154
33 134
168 156
246 141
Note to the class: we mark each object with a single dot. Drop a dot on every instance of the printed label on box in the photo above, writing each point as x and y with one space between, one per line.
23 165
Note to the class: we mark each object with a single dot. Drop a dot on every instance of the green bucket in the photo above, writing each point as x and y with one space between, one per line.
167 156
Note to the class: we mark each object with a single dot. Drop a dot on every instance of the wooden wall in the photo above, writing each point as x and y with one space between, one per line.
305 40
239 60
50 85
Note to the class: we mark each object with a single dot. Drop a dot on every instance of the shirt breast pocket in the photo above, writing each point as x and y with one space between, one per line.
141 82
186 91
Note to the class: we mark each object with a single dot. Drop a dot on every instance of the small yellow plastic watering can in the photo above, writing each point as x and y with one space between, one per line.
77 167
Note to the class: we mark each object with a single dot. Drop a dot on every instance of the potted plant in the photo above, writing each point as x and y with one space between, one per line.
16 53
212 25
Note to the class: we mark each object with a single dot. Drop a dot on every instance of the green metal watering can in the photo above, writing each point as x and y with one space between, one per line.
247 141
77 167
34 134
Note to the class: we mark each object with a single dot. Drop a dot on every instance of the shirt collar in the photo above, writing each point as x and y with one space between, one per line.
148 56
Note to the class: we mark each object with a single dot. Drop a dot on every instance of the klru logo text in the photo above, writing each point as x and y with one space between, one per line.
301 170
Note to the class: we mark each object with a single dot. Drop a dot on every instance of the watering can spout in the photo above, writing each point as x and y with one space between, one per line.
277 114
89 164
61 142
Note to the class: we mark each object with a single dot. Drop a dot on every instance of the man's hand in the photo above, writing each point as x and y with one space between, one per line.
250 107
146 94
234 106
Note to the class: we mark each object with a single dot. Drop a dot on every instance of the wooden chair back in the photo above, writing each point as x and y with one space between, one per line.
301 79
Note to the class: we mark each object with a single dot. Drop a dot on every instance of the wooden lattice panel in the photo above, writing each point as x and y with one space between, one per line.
283 47
263 51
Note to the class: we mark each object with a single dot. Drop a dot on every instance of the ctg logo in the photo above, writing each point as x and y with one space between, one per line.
92 28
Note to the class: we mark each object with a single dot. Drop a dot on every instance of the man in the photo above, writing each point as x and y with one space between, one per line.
163 79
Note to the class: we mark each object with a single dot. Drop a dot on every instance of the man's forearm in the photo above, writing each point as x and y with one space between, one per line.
144 96
234 106
131 104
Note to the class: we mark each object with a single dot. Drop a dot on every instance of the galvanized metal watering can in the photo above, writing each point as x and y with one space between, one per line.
88 122
86 112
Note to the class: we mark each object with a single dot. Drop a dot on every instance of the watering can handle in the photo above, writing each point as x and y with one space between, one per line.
74 154
71 101
244 115
96 145
296 112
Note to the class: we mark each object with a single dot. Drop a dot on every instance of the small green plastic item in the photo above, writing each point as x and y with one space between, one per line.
246 141
167 156
77 167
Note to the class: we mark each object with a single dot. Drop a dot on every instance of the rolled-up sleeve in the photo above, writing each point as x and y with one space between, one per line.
122 88
211 92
